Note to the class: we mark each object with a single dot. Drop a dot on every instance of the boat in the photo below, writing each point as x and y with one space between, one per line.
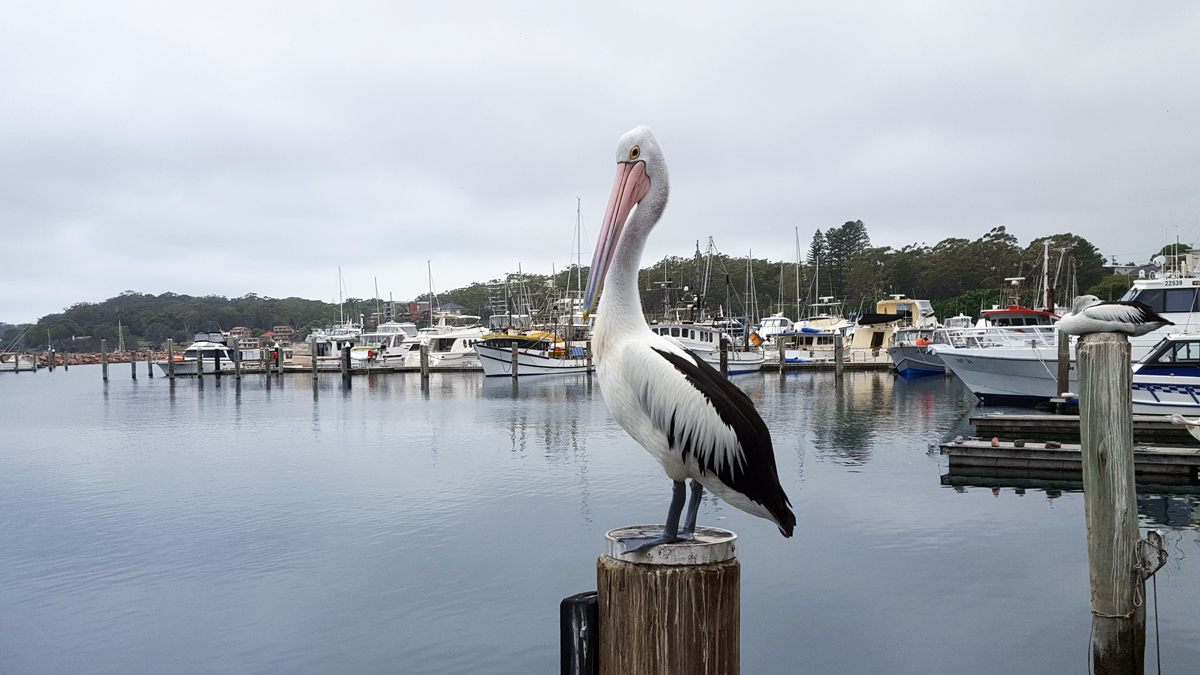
705 342
385 345
1024 370
449 351
911 351
185 362
1167 380
538 353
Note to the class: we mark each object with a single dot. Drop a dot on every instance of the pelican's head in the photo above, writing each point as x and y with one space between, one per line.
640 172
1083 302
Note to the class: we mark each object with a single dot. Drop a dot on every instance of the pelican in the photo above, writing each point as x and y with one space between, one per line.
1089 314
1193 427
696 423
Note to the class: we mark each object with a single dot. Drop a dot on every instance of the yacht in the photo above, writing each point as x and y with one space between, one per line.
449 351
208 350
384 345
705 342
776 324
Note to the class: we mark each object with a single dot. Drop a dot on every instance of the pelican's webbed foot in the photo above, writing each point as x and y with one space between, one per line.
670 533
693 508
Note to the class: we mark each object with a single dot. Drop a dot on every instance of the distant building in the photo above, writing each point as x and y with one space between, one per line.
1127 270
238 332
284 334
451 308
267 338
248 343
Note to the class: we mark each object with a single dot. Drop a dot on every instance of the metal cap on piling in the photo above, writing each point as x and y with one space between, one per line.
674 608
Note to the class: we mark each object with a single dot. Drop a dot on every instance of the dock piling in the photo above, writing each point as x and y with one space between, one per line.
675 608
237 363
425 363
514 358
838 356
346 361
133 364
104 359
579 634
150 363
312 350
1110 503
779 341
170 359
217 363
724 344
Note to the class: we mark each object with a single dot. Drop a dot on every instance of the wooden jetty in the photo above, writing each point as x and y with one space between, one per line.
1151 462
878 366
1146 428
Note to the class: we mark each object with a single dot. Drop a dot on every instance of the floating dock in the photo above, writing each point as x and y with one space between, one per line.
1151 429
1152 464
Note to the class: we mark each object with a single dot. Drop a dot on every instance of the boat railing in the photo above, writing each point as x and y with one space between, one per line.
1011 336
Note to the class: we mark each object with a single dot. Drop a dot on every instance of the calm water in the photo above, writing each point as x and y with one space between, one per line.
382 529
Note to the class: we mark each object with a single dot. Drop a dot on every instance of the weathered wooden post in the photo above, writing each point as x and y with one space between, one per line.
346 361
50 361
133 364
65 361
587 352
672 609
170 359
217 363
838 356
237 363
724 346
425 362
782 353
312 349
1064 363
514 358
150 363
1110 503
104 359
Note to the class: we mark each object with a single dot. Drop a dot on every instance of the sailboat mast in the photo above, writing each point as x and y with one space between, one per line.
429 278
1047 297
798 274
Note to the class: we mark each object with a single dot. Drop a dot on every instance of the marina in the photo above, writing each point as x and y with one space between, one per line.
346 523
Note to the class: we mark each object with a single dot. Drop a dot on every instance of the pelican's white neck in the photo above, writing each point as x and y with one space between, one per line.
621 304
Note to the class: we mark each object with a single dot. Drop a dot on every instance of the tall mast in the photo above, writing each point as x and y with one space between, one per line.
1048 294
798 317
429 276
378 314
341 314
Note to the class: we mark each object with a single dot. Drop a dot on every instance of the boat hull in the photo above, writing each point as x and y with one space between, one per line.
1027 375
1169 395
916 361
497 362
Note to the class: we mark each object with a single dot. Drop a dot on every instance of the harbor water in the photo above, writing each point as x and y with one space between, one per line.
270 526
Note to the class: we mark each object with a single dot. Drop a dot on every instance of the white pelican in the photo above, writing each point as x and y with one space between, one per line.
1193 427
695 422
1089 314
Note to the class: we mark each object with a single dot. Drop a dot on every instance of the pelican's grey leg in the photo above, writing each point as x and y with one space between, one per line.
670 531
693 507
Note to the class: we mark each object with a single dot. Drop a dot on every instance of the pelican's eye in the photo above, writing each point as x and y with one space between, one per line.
635 152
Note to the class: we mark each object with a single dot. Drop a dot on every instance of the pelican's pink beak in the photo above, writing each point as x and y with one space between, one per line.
630 188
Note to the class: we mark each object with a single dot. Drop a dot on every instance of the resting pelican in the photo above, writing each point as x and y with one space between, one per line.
1089 314
696 423
1193 427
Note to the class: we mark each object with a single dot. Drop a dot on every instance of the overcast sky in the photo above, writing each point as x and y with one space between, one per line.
212 148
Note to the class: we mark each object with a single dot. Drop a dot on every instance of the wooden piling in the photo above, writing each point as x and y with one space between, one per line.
150 363
50 360
133 364
514 358
346 361
1110 503
1064 364
65 361
782 354
170 359
217 363
724 346
579 634
199 361
312 349
587 351
237 363
672 610
838 356
424 362
104 359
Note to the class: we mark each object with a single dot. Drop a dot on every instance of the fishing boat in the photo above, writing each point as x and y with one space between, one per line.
705 342
911 351
538 353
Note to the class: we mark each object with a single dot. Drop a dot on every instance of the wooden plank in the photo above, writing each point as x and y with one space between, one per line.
1147 459
1146 428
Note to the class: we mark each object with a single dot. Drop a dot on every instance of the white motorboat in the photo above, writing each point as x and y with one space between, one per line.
449 351
1167 380
385 345
211 356
537 354
1026 371
705 342
912 354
